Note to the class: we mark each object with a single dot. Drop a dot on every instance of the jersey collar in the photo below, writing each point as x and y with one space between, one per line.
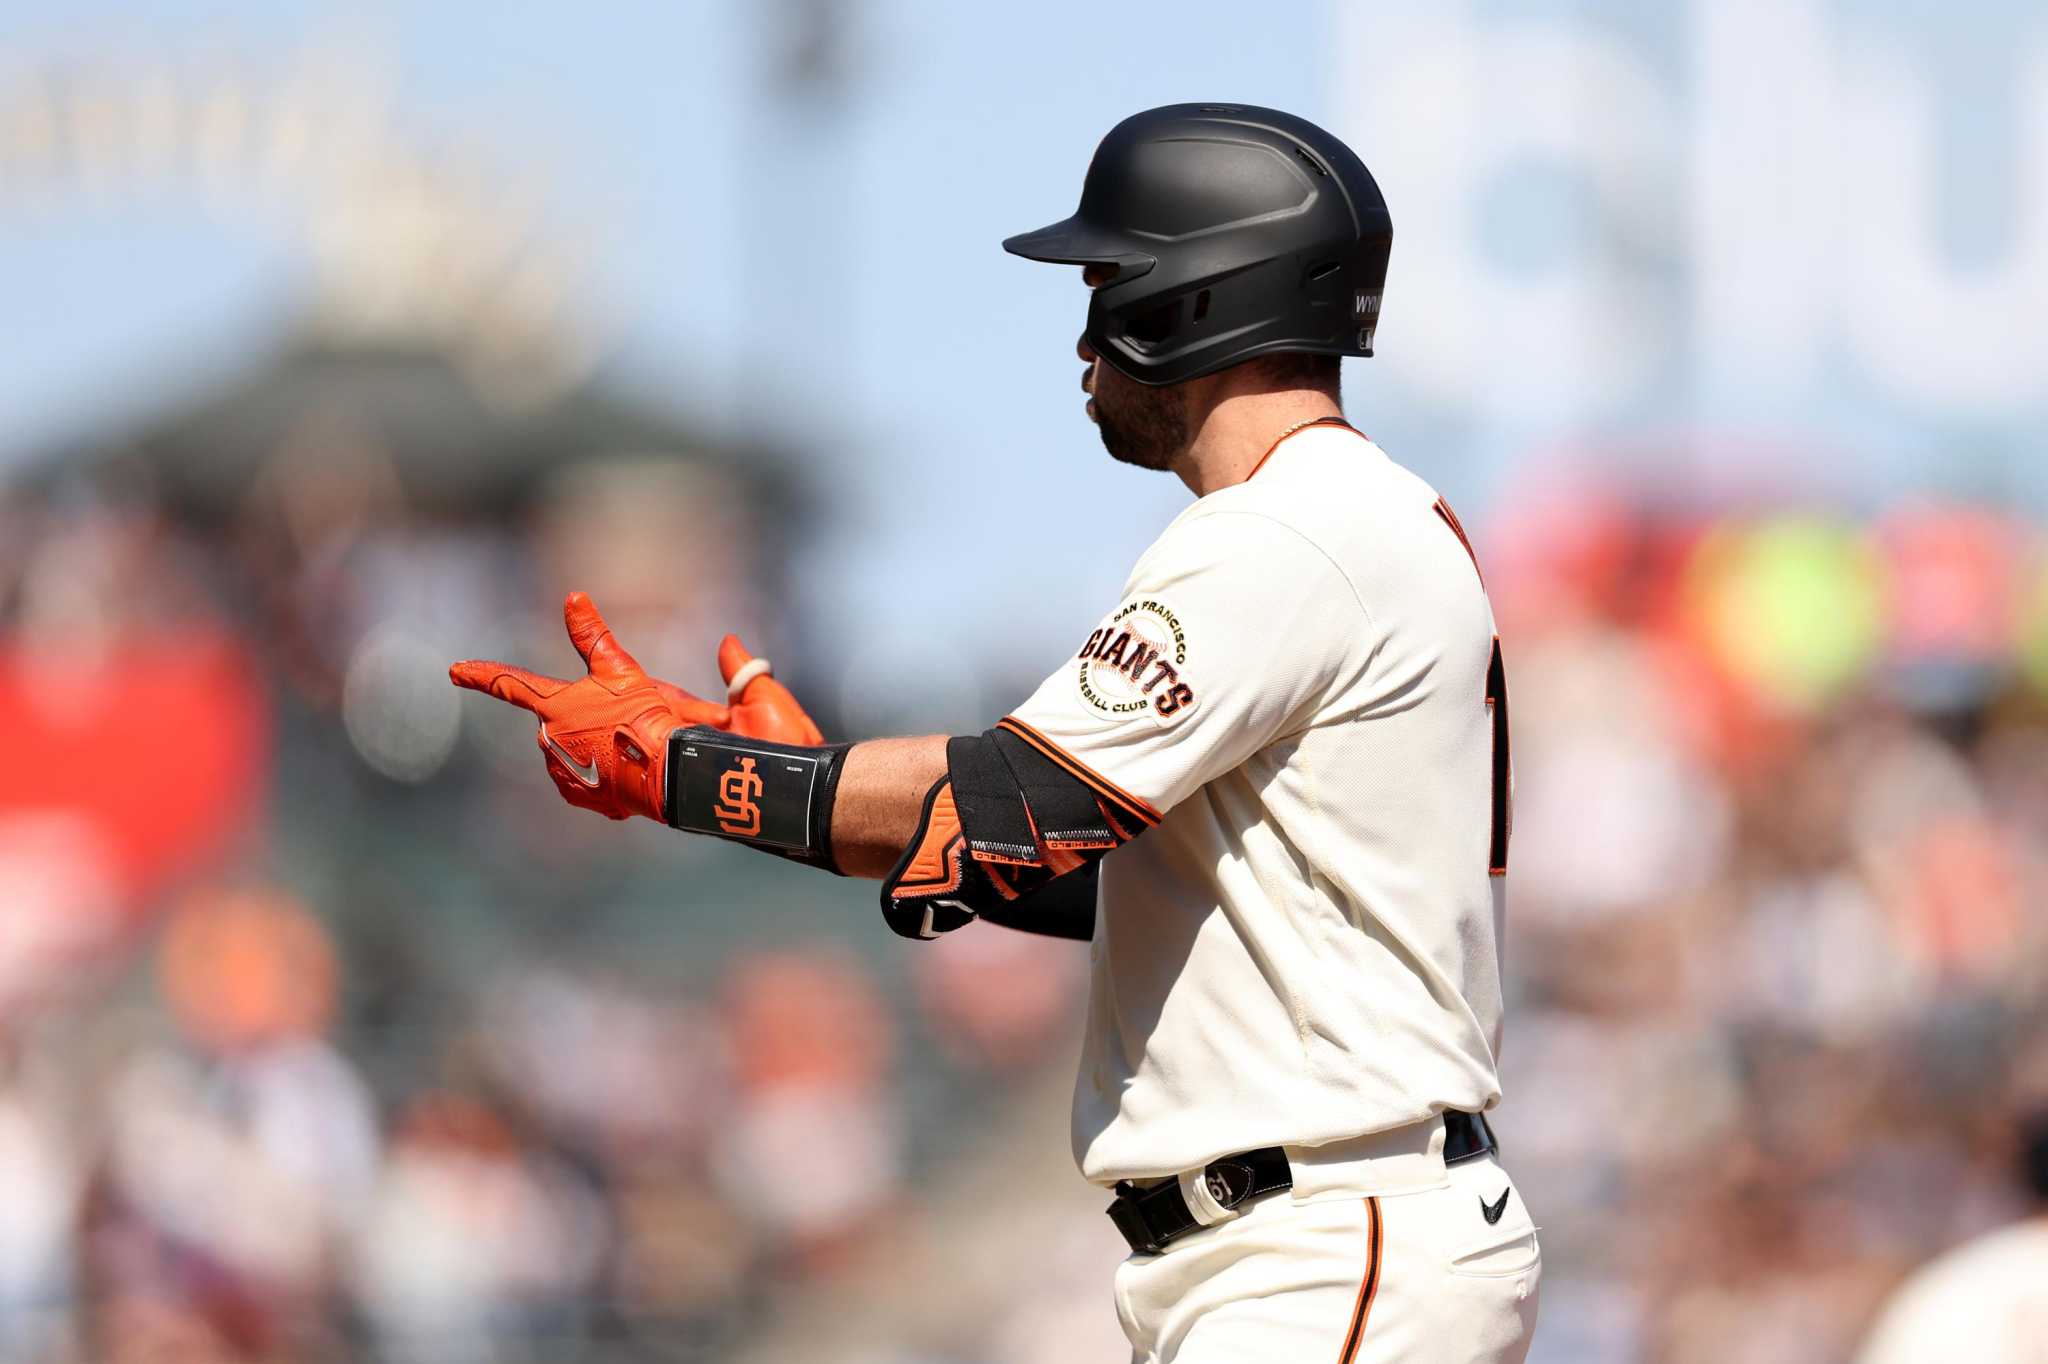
1295 430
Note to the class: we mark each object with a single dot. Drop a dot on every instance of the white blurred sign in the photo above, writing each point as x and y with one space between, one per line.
1763 208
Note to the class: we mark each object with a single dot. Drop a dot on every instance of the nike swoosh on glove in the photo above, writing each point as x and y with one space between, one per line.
605 735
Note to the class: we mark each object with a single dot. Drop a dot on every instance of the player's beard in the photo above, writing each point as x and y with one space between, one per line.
1139 424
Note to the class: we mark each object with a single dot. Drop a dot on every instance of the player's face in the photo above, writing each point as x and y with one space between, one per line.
1139 424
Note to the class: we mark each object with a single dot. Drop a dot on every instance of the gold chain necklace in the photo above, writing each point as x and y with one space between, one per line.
1301 425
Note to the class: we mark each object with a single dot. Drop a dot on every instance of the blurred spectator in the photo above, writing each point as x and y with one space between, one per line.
39 1206
1000 1000
810 1145
474 1244
236 1164
1986 1301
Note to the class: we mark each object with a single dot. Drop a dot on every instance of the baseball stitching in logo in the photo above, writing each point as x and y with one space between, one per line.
1133 662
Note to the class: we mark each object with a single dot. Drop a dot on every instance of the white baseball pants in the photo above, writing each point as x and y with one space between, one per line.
1372 1259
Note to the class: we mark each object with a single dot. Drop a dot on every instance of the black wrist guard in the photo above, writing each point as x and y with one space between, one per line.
775 797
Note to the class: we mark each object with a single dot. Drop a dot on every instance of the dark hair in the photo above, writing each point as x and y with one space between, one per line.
1301 369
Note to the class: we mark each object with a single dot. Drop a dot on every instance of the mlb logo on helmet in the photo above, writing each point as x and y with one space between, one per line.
1368 310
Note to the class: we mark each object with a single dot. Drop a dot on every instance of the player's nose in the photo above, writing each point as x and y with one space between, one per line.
1084 350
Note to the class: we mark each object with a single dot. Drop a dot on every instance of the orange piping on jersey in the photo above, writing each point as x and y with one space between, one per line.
1095 782
1369 1288
1297 430
1450 517
1123 835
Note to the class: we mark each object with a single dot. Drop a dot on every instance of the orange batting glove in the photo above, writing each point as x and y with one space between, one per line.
604 735
761 707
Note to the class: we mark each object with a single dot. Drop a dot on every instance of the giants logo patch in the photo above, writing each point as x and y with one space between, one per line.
1133 662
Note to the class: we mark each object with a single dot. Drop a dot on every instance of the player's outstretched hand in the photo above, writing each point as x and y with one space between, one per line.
604 735
762 708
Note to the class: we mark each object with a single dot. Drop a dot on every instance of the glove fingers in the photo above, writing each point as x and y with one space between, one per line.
595 643
732 656
765 693
775 711
522 688
757 684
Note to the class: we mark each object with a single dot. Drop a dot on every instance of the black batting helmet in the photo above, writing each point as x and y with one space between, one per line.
1236 231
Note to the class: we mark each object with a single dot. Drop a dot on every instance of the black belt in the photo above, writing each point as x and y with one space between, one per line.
1152 1218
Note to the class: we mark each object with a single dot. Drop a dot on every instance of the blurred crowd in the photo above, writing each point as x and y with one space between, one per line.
1779 924
325 1035
585 1165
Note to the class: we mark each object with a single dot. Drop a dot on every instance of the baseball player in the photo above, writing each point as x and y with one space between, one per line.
1986 1300
1271 782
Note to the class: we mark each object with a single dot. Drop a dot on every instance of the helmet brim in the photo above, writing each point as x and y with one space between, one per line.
1075 241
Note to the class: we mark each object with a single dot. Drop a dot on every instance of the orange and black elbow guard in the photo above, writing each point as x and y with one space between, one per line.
775 797
1002 823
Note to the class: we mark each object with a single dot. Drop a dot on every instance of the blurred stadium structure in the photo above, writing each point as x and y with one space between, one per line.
326 1034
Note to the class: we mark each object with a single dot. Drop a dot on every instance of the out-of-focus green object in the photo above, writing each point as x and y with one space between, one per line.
2034 631
1793 606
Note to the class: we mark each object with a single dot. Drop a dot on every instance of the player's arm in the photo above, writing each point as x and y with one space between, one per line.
1219 647
1232 632
880 799
611 738
954 828
757 770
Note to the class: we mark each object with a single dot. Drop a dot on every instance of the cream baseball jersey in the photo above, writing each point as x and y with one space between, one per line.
1985 1301
1301 691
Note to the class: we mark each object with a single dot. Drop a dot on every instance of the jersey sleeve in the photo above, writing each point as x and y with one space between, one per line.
1233 631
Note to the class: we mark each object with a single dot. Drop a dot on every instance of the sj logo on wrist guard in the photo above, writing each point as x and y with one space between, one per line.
738 811
752 792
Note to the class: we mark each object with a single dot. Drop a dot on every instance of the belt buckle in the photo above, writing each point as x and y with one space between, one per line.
1477 1133
1128 1212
